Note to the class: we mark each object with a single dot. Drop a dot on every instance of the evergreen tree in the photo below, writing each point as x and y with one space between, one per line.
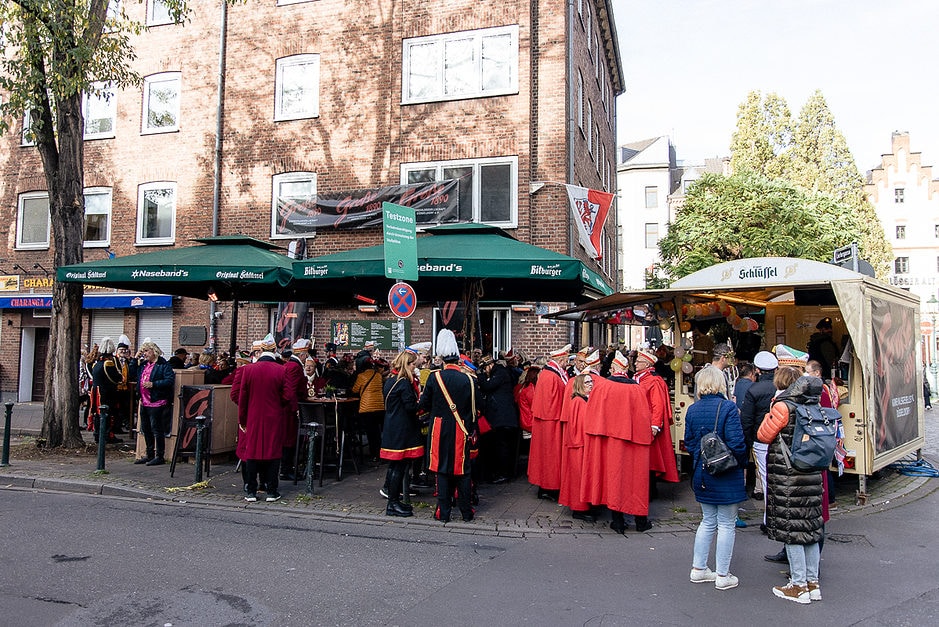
763 138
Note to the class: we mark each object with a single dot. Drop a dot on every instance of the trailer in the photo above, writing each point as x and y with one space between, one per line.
779 300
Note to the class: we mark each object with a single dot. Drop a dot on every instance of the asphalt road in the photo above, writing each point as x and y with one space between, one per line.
71 559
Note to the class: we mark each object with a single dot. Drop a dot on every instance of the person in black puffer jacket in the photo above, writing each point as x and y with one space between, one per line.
498 447
793 498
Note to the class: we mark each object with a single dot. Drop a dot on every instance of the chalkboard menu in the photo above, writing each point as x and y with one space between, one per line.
353 334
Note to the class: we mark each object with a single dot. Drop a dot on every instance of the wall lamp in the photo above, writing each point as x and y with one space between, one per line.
364 299
38 266
368 308
212 295
523 308
20 268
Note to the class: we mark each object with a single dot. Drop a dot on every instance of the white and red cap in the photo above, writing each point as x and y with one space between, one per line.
561 352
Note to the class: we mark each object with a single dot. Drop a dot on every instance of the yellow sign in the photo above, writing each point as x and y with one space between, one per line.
10 283
34 282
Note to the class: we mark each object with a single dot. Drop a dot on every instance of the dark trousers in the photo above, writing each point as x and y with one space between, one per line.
371 423
445 485
267 469
503 443
154 423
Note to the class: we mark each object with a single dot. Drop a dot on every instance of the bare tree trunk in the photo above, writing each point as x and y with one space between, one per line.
63 165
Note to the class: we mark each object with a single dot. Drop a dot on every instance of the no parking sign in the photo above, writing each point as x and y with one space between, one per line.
402 300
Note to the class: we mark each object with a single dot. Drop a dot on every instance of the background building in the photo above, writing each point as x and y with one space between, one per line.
515 98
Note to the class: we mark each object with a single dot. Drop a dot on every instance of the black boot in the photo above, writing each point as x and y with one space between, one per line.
618 524
394 508
642 523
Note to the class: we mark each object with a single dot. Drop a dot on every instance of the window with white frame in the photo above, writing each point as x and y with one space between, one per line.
652 235
161 103
588 23
901 231
97 217
488 187
156 213
99 108
652 197
596 144
466 64
32 220
580 100
158 13
27 138
898 195
901 265
297 88
293 193
589 130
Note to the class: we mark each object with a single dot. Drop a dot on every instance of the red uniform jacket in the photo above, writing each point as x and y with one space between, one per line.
572 454
262 397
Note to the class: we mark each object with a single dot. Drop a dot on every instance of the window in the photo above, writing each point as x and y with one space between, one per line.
589 130
901 231
652 235
32 220
27 138
652 197
936 230
99 109
488 187
898 195
901 265
156 213
297 90
161 103
97 217
467 64
158 13
580 100
290 189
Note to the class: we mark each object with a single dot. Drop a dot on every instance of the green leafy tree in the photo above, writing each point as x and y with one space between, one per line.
54 52
749 215
822 162
763 139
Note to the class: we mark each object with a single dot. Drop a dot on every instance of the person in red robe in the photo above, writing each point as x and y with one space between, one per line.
544 457
617 437
572 455
260 391
662 454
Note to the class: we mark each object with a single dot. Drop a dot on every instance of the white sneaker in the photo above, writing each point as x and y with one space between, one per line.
815 593
726 582
792 592
702 575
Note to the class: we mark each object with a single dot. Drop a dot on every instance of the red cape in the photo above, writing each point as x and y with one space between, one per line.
544 457
618 432
572 454
662 455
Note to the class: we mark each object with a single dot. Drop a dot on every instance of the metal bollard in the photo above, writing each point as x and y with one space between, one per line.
200 435
310 454
102 434
6 435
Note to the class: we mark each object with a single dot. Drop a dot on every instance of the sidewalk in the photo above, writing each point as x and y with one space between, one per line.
510 509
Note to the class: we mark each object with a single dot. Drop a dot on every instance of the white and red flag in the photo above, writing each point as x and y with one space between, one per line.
590 208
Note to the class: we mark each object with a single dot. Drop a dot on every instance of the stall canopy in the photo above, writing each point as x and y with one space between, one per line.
228 267
233 267
506 269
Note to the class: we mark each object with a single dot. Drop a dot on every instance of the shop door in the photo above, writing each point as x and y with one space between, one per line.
41 349
496 331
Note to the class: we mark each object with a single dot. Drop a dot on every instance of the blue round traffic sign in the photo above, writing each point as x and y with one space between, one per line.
402 300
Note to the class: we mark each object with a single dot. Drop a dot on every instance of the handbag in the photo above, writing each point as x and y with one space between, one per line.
715 454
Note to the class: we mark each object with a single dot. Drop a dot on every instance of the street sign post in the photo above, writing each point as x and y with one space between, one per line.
402 300
400 242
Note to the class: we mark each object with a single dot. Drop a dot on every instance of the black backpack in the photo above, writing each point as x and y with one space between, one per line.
813 438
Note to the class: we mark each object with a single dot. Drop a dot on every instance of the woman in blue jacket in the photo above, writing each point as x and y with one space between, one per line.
718 495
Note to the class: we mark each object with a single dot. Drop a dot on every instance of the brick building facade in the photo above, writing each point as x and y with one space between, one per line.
325 96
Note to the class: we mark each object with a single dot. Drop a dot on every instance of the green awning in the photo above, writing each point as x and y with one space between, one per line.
511 270
233 266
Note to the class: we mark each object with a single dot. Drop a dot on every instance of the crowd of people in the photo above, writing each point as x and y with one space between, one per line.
597 425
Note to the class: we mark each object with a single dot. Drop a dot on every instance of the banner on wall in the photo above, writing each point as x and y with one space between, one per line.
590 208
433 202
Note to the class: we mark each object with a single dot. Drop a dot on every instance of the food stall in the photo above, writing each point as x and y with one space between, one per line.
765 301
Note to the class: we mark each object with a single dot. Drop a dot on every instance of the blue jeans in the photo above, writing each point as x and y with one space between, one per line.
803 562
719 518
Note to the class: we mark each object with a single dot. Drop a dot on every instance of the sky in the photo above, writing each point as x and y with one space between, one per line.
688 64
